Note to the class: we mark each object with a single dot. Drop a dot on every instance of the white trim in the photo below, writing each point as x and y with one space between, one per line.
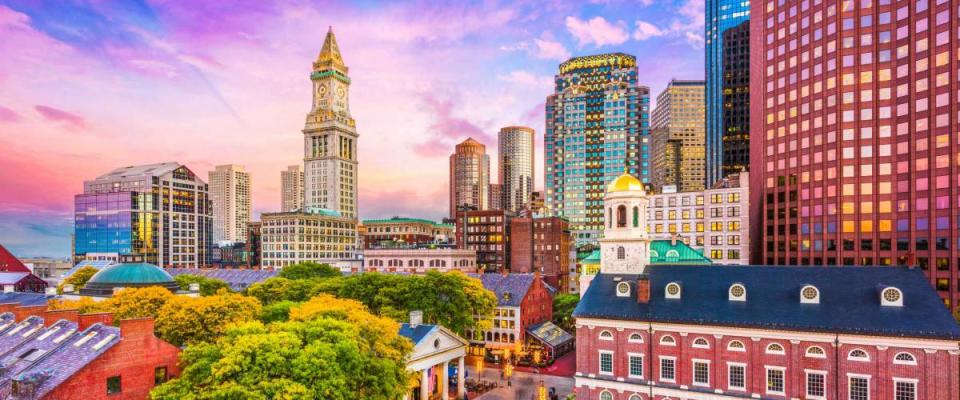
613 363
600 395
638 335
693 372
629 374
814 300
737 364
666 292
885 302
600 335
912 357
742 348
823 353
732 297
806 383
865 358
649 387
916 387
766 379
673 341
660 369
700 346
851 376
781 352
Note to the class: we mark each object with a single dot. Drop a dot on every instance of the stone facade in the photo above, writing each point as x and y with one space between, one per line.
418 261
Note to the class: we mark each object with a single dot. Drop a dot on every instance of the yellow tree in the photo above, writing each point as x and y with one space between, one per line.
144 302
184 320
78 278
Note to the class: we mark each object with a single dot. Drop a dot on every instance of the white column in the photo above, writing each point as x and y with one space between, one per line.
461 371
424 385
445 380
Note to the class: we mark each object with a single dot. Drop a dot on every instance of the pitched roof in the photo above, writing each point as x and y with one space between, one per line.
510 288
238 279
9 263
20 358
74 354
675 252
549 333
849 300
25 298
330 57
417 333
10 278
140 170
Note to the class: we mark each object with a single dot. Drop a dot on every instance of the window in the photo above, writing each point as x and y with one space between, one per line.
634 397
736 345
623 289
775 348
810 294
159 375
859 388
816 352
606 335
668 369
668 341
904 390
701 343
672 290
736 376
816 385
891 297
113 385
606 362
904 358
774 381
701 373
605 395
858 355
621 253
738 292
635 362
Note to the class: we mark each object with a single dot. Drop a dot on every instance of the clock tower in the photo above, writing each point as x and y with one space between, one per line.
330 136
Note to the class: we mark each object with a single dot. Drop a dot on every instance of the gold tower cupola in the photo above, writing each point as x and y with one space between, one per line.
330 58
625 183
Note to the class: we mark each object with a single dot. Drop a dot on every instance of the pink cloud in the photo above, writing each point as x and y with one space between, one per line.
597 31
8 115
447 129
57 115
390 203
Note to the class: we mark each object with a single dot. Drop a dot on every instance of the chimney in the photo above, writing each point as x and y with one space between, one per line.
86 320
136 327
416 318
673 240
643 289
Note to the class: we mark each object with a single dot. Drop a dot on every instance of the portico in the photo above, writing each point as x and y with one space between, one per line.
435 351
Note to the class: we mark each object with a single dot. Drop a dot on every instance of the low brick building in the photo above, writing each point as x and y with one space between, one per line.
542 245
65 355
419 260
378 233
523 301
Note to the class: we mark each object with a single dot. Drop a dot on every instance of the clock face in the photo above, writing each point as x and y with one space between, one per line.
322 91
340 91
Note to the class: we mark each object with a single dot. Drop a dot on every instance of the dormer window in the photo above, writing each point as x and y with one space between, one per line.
891 296
737 292
672 290
809 295
623 289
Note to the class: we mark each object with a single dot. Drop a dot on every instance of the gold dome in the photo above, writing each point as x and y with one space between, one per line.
625 183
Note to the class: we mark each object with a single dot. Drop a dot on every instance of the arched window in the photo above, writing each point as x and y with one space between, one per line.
605 395
606 335
672 290
809 294
891 296
737 292
668 341
621 216
634 397
701 343
635 338
775 348
636 217
673 254
736 345
609 218
858 355
904 358
816 352
621 253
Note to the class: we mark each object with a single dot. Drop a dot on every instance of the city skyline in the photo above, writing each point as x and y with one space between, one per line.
183 87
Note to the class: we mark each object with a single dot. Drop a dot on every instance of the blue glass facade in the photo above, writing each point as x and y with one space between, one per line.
116 222
720 16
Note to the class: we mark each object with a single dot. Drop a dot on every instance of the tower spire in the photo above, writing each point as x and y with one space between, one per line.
330 57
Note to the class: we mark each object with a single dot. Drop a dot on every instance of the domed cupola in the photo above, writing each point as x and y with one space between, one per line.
126 275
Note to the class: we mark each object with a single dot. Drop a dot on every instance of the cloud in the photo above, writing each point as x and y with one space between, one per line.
551 50
525 78
695 39
57 115
646 30
430 204
8 115
447 129
597 31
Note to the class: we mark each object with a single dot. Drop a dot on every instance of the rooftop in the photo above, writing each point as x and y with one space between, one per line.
402 220
676 252
510 289
238 279
141 170
417 333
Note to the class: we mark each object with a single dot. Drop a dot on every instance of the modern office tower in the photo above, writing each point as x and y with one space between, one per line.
469 177
230 197
160 212
678 122
597 126
330 137
721 15
516 166
312 234
853 160
736 102
542 245
291 188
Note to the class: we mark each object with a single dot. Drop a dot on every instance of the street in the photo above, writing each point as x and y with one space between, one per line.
524 385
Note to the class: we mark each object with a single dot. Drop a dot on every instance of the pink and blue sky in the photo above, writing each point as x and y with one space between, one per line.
88 86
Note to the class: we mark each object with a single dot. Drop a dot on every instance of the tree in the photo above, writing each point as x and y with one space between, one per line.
297 290
331 349
128 303
78 279
563 306
85 305
308 270
279 311
184 319
208 286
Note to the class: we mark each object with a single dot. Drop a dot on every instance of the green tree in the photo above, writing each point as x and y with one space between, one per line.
308 270
128 303
331 349
208 286
276 312
563 306
184 319
78 279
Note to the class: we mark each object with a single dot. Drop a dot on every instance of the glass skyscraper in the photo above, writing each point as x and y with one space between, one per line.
597 127
721 15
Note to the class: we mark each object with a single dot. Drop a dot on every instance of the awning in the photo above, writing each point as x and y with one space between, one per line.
550 334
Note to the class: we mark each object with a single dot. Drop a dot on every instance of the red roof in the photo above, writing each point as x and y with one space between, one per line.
9 263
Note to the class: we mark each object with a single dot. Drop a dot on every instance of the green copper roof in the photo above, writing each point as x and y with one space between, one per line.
663 252
131 273
593 258
399 220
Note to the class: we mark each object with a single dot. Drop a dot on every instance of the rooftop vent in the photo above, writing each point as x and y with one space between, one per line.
809 294
891 296
672 291
737 292
623 289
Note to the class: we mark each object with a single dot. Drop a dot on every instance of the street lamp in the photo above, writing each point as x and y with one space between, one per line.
542 391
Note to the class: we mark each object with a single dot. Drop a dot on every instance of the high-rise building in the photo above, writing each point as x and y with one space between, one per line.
597 126
736 102
678 127
291 188
160 212
469 177
322 236
330 137
230 197
516 166
721 15
853 159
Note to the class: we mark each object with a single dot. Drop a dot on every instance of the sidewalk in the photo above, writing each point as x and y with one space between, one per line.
524 385
565 366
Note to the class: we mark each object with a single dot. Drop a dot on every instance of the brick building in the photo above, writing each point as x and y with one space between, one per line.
65 355
488 233
765 332
853 135
523 300
542 245
419 260
396 231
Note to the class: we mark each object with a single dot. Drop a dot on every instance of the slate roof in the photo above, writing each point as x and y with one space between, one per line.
98 264
20 333
849 300
238 279
510 288
25 299
416 334
401 220
22 357
69 358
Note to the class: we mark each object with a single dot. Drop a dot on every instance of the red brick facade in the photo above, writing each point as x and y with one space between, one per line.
934 369
488 233
542 244
536 307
